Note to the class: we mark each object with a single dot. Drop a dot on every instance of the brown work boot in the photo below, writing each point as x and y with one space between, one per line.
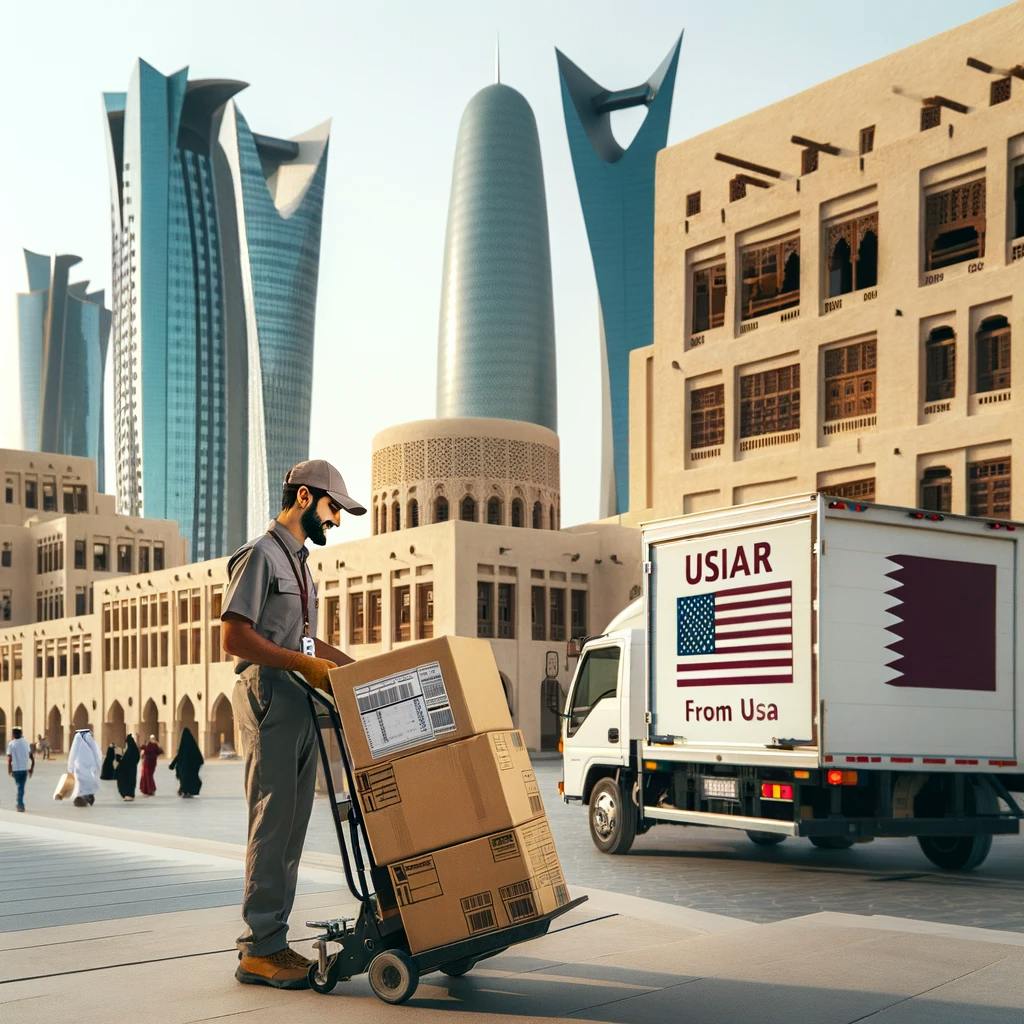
283 969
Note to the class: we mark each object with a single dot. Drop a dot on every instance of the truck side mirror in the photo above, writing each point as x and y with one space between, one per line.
573 648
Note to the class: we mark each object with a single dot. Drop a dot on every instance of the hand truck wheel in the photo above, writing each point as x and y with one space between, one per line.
324 983
457 968
393 976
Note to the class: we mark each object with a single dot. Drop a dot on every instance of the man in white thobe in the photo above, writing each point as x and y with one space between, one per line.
84 763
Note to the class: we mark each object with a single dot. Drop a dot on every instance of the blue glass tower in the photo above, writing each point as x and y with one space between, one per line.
496 345
63 333
186 331
616 188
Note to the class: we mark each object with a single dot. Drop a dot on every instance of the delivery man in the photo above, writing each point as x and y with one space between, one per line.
269 625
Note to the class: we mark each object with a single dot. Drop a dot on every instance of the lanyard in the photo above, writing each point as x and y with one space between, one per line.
300 578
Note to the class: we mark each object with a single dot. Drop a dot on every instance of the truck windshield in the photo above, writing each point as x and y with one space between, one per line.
597 679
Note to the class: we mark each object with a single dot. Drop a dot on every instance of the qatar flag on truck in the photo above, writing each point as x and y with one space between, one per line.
946 633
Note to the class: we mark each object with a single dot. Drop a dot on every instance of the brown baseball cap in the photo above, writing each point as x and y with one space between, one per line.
319 473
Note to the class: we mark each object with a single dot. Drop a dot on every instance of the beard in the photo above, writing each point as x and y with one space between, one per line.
313 526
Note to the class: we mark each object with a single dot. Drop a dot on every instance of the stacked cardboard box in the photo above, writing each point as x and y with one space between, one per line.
444 782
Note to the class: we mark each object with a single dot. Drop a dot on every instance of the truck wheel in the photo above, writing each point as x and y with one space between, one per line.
831 842
962 853
765 838
612 818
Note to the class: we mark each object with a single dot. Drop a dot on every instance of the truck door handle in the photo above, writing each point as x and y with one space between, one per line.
613 735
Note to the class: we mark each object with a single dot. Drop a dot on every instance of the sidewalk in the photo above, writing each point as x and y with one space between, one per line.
617 958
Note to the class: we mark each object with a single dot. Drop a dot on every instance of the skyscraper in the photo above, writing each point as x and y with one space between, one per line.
63 330
206 280
616 188
496 344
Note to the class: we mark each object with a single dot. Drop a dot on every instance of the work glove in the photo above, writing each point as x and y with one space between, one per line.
314 670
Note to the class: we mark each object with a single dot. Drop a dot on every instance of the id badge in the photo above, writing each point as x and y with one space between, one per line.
308 646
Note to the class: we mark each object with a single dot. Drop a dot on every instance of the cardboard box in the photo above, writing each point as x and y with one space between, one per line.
447 795
421 696
479 887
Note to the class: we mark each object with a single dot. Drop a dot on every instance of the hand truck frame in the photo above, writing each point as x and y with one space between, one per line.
374 942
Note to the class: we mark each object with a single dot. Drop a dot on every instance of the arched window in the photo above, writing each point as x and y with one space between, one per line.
375 520
937 489
940 364
396 516
383 518
440 509
467 509
867 261
517 512
412 514
840 269
791 274
494 511
992 354
538 516
551 518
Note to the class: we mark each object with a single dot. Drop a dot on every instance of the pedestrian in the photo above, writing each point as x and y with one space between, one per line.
150 752
186 764
127 769
43 746
21 763
107 771
269 625
84 764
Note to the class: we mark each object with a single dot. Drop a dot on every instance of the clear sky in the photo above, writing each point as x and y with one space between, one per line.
395 78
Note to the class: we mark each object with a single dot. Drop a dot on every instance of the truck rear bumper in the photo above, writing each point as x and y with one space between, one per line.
852 828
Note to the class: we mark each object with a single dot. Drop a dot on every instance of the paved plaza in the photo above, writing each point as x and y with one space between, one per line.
136 905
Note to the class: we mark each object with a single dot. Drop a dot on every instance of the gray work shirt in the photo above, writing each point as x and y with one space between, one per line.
264 590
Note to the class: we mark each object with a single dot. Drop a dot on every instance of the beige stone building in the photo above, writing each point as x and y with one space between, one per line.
836 292
471 551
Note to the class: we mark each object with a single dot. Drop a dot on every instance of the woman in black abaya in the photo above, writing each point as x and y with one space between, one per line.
107 771
186 764
127 770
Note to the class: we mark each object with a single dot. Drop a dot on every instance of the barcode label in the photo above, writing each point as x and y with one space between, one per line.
376 696
521 909
561 895
522 888
478 910
536 804
481 921
442 720
517 740
432 684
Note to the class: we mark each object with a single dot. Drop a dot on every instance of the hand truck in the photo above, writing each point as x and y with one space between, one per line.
374 942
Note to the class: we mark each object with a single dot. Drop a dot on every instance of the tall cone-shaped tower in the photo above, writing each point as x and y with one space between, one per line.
496 345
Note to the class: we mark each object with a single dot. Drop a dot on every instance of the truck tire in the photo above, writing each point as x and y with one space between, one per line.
765 838
612 817
962 853
831 842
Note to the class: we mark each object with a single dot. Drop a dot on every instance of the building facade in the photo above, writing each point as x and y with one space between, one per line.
837 282
496 343
63 330
209 273
616 189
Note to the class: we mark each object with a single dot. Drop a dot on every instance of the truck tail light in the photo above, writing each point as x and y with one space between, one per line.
849 506
561 745
838 777
776 791
1008 527
561 787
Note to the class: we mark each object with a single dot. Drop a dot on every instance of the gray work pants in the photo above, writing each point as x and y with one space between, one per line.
280 747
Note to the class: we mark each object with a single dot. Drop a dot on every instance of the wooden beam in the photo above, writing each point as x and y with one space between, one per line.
759 168
821 147
943 101
980 65
748 180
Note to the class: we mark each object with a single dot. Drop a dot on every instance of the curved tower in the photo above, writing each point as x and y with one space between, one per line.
496 344
616 188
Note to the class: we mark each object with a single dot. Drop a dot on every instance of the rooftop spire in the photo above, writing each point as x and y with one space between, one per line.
497 57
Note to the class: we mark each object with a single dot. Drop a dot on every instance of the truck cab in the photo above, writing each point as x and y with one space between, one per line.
605 705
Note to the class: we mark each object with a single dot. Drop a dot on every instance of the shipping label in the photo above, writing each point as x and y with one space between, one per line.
533 792
378 788
519 900
504 846
416 880
404 710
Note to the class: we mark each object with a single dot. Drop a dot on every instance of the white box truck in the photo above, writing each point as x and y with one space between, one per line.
812 667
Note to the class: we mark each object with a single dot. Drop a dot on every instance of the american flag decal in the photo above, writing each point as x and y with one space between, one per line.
737 636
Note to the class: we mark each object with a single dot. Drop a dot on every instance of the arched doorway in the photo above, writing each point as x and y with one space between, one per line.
150 724
551 701
55 730
80 720
19 718
114 729
3 730
221 739
185 718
